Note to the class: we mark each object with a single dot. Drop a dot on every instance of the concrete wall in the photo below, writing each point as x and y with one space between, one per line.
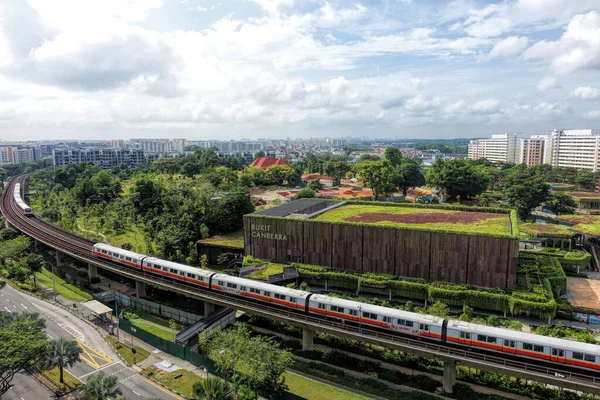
482 261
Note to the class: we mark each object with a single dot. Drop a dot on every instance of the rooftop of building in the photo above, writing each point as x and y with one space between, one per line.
266 162
445 218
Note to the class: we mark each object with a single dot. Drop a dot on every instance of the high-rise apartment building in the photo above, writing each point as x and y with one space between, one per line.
7 155
532 150
154 145
178 145
104 158
14 155
575 148
499 148
24 155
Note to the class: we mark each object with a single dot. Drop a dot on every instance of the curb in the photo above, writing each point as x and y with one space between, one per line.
103 334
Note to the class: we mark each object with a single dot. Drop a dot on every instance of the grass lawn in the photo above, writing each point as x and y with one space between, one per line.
70 381
182 385
153 329
433 219
63 288
133 235
263 272
304 388
126 353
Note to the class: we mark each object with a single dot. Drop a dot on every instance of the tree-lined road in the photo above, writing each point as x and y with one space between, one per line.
97 354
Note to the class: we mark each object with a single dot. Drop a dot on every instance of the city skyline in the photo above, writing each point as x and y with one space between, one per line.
199 70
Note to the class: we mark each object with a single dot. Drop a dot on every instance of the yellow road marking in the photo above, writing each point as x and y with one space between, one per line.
93 355
162 388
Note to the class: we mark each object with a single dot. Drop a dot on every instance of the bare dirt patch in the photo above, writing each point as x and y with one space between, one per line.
461 217
584 292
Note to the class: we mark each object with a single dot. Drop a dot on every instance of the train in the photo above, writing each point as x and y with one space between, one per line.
25 209
443 330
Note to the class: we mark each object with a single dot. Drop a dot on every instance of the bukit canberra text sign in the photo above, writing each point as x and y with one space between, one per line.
266 232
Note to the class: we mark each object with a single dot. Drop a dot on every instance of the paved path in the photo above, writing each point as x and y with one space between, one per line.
98 354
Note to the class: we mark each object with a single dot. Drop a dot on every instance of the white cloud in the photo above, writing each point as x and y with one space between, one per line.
577 49
485 106
546 84
511 46
273 7
586 93
592 115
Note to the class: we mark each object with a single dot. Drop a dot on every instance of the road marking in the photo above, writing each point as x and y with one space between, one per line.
24 306
163 389
74 332
133 392
99 369
51 338
7 309
7 299
92 356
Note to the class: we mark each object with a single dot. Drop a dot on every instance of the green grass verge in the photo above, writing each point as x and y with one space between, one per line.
181 385
497 225
63 288
153 329
125 352
304 388
71 382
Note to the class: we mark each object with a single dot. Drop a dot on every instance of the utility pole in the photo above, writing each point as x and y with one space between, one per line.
117 313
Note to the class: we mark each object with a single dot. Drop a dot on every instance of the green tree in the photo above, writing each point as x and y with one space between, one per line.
146 195
293 178
212 389
14 249
525 191
34 263
259 154
559 202
368 157
439 309
378 176
167 165
337 169
315 185
22 344
106 186
467 314
348 152
306 193
2 177
101 387
276 174
190 169
226 215
394 156
586 179
208 159
63 353
458 178
246 180
408 175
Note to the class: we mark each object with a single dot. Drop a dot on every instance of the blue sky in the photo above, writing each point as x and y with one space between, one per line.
235 69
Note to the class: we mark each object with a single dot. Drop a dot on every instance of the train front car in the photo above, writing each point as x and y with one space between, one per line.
265 292
119 255
180 272
25 209
524 345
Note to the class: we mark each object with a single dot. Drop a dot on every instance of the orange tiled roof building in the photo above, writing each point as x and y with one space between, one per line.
266 162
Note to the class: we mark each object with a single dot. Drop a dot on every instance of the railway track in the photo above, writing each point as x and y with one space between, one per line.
81 249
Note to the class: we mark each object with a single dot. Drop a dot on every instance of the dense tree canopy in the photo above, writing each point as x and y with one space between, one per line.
525 190
408 175
458 178
559 202
377 176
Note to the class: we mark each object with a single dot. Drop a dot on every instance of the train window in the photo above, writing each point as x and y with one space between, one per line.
292 299
279 296
182 273
590 358
424 327
491 339
578 356
461 335
243 288
369 315
321 306
481 338
190 275
338 309
165 269
267 293
231 285
252 290
353 312
539 349
509 343
527 346
387 319
410 324
401 322
220 283
558 352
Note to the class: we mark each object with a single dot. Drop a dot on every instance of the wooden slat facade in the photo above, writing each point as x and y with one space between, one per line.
482 261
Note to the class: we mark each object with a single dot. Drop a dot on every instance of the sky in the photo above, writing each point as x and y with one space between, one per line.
234 69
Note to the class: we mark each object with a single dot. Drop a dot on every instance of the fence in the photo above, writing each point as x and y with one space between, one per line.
177 350
148 306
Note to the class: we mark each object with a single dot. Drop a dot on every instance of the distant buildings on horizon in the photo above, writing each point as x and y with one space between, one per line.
573 148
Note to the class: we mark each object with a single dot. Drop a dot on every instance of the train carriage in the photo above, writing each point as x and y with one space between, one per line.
174 270
25 209
260 291
126 257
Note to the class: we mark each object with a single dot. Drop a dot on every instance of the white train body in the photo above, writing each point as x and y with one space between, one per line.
25 209
497 340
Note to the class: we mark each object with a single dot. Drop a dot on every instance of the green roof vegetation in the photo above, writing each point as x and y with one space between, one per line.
584 195
589 224
547 230
224 241
263 272
467 220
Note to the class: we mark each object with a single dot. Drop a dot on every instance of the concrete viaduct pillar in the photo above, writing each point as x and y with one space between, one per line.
8 224
308 339
92 271
140 289
209 308
449 376
59 258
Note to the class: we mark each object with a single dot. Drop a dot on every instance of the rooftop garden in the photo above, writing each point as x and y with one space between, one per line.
584 195
589 224
467 220
223 241
547 230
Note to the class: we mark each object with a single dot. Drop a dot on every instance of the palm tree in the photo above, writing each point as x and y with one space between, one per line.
63 353
101 387
212 389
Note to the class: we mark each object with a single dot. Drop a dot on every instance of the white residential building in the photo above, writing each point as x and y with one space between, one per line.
499 148
574 148
178 145
7 155
532 150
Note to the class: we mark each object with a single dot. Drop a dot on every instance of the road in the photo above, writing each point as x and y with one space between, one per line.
26 387
97 354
